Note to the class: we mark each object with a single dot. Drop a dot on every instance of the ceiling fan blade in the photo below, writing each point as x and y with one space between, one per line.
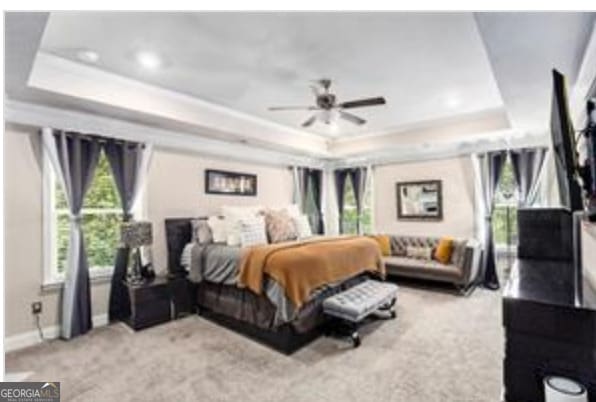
276 108
363 102
310 121
351 118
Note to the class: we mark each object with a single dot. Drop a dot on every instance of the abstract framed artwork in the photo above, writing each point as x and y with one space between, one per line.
230 183
420 200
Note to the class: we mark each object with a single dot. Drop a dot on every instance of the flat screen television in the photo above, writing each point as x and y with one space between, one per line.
564 146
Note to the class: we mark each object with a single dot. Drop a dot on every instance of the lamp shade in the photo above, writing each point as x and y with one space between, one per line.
136 234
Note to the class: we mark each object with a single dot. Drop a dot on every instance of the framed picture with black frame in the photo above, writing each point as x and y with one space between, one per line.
420 200
230 183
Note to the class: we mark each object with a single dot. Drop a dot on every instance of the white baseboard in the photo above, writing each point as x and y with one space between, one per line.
30 338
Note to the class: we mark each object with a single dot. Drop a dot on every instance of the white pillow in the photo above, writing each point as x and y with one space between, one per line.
293 210
233 217
252 231
218 229
302 226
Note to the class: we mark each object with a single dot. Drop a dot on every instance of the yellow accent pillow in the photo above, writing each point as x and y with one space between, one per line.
384 244
444 250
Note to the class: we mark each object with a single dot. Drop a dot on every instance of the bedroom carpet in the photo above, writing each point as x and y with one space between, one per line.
440 348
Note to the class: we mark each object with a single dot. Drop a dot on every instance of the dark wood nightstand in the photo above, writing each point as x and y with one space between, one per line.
157 301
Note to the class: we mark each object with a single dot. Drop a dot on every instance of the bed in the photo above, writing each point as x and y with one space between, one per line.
271 316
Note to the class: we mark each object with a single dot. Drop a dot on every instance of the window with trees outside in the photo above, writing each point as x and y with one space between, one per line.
101 215
350 218
505 211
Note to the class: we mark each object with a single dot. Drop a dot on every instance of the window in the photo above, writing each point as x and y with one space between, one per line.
350 218
505 211
101 213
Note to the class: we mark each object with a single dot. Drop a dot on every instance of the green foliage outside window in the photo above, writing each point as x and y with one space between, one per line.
505 205
350 218
102 214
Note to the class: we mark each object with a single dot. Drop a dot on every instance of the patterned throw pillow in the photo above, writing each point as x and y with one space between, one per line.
252 232
421 253
280 226
201 232
302 226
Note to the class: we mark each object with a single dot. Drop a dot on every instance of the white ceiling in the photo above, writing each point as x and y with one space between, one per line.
222 70
523 48
428 66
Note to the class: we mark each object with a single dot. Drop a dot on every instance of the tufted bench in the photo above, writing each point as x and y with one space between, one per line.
357 303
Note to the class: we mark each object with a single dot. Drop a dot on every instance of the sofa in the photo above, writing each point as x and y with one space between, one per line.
461 271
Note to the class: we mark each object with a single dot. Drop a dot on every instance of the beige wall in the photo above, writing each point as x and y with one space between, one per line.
458 197
175 188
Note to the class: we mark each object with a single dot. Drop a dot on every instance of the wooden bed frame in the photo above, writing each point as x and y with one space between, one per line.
284 339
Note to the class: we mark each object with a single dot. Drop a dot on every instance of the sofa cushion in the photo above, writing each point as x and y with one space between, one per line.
422 268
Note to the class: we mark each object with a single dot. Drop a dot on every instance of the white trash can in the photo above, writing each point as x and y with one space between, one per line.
561 389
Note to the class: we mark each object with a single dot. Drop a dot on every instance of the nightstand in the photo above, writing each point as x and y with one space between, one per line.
158 300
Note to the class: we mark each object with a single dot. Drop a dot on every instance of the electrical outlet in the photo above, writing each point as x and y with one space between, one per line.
36 307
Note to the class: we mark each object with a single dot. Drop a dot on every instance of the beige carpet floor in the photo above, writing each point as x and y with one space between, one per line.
441 347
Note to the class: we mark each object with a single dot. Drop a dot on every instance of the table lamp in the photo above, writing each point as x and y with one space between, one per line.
135 234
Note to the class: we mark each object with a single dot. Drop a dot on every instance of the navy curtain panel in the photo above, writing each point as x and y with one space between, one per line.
313 181
527 165
359 179
74 158
340 176
128 162
490 166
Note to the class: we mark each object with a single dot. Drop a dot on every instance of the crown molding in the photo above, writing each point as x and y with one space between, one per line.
43 116
489 141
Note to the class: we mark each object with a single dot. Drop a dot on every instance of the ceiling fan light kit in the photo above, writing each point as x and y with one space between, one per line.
326 102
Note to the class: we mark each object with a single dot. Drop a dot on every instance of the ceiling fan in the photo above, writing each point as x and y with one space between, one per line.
326 102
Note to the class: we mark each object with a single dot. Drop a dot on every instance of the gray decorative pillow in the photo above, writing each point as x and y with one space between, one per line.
201 232
280 226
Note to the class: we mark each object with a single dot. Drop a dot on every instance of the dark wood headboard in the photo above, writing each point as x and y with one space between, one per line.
178 235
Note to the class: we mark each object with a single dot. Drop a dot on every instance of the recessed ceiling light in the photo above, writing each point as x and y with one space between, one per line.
452 101
148 60
88 56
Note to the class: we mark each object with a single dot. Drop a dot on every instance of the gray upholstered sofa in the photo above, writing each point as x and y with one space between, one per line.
461 271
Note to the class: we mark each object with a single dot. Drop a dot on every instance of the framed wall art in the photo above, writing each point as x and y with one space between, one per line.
230 183
420 200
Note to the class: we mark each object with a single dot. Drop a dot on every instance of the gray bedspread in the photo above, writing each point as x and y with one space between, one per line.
218 263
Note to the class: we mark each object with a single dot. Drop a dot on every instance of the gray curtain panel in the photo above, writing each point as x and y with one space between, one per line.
129 162
74 158
490 166
299 186
527 166
340 176
359 178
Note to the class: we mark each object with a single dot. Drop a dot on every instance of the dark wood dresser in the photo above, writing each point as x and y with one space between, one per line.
549 316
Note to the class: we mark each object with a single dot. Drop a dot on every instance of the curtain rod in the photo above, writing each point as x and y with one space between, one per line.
96 137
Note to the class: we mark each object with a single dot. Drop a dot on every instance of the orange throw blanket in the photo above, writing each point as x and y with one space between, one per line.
302 266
